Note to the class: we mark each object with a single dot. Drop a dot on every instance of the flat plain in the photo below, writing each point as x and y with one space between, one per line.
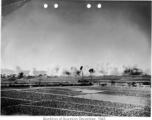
76 101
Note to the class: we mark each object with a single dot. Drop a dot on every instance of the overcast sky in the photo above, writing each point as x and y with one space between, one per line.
73 35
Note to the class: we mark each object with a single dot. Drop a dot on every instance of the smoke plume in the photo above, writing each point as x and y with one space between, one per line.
110 69
17 70
53 69
74 71
86 71
32 72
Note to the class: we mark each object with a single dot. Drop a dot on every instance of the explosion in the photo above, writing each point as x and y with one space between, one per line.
17 70
53 69
32 72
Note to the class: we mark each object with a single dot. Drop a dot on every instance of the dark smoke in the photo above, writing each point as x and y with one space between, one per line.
133 71
67 73
78 72
92 71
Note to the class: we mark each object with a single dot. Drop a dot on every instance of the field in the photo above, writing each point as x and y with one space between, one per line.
36 79
64 101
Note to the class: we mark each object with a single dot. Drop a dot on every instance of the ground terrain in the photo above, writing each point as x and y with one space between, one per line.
65 101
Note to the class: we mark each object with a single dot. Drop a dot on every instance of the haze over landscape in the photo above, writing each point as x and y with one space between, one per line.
76 58
108 39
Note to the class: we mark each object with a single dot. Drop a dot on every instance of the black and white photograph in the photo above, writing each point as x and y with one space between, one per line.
76 58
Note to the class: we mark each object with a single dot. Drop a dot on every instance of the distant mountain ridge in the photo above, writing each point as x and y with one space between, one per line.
7 71
26 72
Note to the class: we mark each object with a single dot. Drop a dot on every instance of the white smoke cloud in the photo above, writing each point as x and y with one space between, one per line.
61 72
102 68
74 71
147 71
53 69
64 72
111 69
17 70
86 71
32 72
134 68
